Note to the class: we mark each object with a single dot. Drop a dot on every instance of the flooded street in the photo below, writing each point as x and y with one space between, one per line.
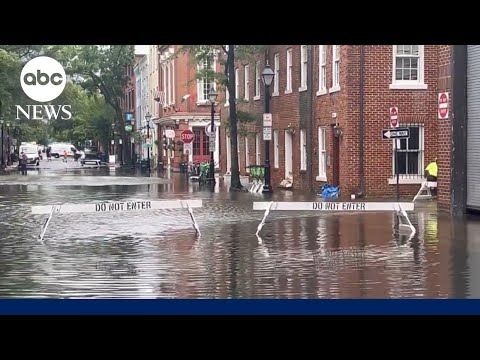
156 254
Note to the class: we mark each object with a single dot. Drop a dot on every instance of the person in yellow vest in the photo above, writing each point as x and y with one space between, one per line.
431 172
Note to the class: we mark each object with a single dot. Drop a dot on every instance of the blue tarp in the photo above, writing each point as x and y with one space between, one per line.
329 191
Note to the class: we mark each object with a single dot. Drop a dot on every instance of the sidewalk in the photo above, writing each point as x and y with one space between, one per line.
9 169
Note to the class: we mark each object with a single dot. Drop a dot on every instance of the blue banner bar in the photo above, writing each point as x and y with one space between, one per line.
239 307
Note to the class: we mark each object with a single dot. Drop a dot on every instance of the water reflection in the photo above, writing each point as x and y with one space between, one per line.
156 255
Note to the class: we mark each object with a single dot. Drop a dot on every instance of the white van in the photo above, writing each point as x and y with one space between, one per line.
31 150
57 149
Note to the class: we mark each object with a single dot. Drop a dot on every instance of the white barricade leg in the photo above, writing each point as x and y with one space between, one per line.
43 230
267 211
423 188
402 212
260 187
194 222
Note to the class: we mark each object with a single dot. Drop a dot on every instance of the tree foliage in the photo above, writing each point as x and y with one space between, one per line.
226 56
100 69
91 115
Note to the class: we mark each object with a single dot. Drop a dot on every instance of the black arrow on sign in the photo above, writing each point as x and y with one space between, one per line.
399 133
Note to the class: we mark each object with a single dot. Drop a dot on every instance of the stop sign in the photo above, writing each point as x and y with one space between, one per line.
394 116
187 136
443 105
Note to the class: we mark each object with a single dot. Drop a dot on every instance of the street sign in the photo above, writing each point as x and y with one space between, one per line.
443 105
394 117
187 148
267 133
187 136
350 206
208 130
170 134
211 144
267 120
398 133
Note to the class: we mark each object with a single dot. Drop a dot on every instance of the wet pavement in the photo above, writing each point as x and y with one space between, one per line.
157 255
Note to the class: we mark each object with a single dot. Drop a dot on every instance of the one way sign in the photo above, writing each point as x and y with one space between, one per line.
398 133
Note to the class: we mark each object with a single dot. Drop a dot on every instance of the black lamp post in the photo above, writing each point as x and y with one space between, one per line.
148 116
267 77
8 143
2 164
113 139
212 96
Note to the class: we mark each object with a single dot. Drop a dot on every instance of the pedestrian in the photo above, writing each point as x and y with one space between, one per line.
49 154
431 172
23 163
65 154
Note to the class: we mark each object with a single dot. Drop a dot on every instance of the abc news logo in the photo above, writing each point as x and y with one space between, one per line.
43 79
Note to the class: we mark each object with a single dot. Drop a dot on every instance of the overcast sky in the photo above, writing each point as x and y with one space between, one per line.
141 49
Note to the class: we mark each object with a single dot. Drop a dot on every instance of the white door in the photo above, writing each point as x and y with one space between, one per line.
229 155
288 155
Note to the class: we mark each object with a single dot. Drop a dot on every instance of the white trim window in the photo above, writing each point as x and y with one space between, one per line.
410 157
303 149
303 67
165 90
227 97
258 81
335 68
204 84
288 89
276 79
246 83
322 154
171 83
408 67
257 149
322 69
237 83
275 149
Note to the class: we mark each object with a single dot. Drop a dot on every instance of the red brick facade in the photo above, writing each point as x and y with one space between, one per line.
444 141
180 105
127 103
341 110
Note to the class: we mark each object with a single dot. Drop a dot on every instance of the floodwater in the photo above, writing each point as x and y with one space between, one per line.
157 255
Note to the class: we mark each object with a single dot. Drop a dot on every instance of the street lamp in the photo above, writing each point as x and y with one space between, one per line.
8 143
112 142
267 77
212 96
2 164
148 116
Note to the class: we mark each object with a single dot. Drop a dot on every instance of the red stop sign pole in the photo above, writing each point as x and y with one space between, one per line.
394 124
187 136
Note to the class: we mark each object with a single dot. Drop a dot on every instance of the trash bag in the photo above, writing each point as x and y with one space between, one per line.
329 191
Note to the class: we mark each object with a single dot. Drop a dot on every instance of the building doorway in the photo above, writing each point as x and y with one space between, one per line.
201 151
288 155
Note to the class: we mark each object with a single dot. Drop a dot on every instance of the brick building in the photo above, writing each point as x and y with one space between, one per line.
329 105
123 147
184 105
444 142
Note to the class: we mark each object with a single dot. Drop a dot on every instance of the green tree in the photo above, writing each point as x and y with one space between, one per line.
91 117
227 56
100 69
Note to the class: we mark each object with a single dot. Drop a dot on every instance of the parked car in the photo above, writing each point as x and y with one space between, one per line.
31 150
57 149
